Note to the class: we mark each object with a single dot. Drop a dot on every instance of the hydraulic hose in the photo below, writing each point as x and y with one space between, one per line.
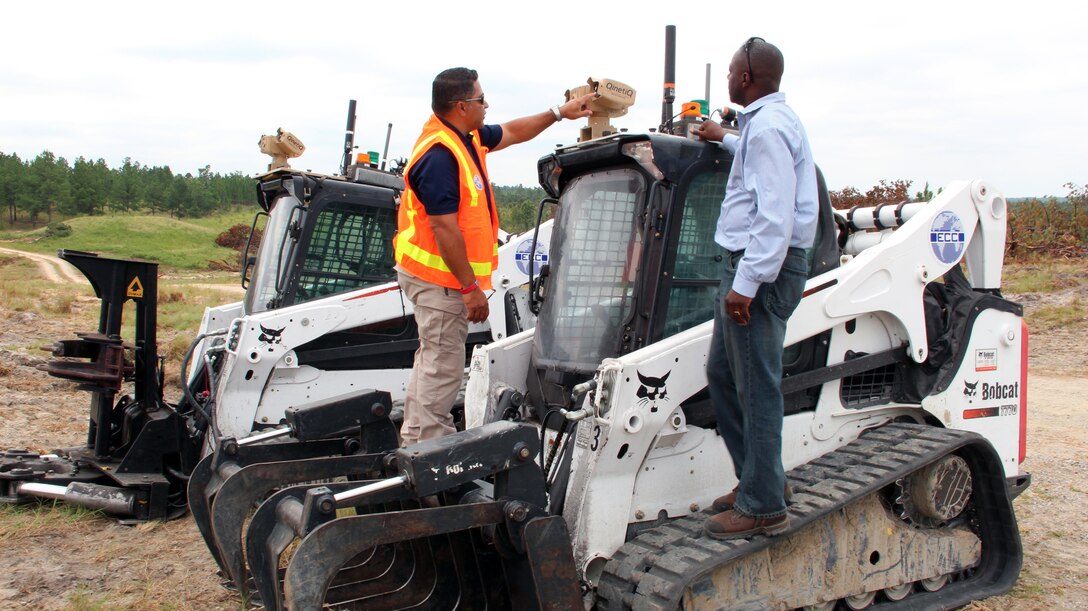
186 392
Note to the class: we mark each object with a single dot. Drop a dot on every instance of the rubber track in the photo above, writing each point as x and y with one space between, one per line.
653 570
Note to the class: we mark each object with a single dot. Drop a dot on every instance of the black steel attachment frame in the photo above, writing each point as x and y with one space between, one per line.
138 449
460 518
228 483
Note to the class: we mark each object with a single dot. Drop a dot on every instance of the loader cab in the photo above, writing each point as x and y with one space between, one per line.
324 235
633 258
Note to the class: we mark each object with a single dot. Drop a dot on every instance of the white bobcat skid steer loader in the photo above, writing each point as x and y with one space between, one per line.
323 318
902 477
320 350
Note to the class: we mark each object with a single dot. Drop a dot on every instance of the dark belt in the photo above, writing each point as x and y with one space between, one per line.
792 250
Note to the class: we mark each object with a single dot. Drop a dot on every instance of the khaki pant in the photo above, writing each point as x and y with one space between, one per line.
439 365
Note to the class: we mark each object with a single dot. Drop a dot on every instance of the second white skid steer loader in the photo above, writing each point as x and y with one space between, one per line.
323 323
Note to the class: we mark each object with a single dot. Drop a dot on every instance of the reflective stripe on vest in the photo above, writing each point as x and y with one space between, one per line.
407 249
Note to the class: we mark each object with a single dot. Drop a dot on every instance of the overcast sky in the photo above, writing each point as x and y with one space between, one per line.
924 91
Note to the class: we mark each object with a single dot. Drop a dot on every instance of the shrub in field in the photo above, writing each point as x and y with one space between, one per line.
884 192
236 237
1049 228
58 230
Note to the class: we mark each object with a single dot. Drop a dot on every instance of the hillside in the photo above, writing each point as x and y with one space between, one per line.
175 243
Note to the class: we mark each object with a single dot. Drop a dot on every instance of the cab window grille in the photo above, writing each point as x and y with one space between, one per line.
351 247
593 274
699 259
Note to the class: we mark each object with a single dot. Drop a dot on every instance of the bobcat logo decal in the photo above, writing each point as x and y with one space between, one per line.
652 390
970 390
270 336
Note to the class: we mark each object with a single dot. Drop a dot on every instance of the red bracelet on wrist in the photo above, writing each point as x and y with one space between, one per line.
465 290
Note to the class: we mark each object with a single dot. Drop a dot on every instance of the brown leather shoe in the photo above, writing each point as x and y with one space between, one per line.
737 525
726 502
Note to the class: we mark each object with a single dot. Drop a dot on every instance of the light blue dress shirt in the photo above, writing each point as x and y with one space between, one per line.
771 199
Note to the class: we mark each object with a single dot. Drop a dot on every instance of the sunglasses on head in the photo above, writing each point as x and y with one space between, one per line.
748 55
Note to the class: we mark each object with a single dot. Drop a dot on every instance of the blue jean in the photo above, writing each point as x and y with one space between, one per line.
744 373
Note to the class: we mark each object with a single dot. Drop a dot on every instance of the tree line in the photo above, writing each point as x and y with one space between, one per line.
518 206
33 190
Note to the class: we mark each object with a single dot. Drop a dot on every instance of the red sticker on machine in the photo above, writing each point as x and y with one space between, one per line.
986 359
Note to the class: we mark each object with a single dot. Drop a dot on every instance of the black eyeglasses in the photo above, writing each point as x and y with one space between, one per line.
747 54
479 99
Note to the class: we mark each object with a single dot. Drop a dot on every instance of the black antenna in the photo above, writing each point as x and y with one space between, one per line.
670 79
707 100
349 139
385 151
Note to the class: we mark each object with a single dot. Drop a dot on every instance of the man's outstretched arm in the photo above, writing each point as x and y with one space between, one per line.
527 128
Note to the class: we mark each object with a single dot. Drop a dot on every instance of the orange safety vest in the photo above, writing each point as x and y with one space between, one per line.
414 245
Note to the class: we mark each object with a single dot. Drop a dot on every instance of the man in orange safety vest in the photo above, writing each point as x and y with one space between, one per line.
447 237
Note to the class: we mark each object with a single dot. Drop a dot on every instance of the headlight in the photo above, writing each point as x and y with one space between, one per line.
548 174
603 398
235 335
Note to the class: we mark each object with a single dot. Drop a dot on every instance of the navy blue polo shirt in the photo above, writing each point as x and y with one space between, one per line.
435 180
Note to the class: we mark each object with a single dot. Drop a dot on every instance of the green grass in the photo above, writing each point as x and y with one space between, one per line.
20 522
174 243
1026 589
1071 315
1042 277
149 596
180 305
24 290
83 599
183 309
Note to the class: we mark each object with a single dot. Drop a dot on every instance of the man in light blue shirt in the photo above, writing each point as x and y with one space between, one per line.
768 220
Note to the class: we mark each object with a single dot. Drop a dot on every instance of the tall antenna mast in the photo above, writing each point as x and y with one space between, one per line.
706 97
349 139
385 151
670 79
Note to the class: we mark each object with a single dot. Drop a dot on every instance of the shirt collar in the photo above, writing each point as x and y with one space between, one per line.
467 138
770 98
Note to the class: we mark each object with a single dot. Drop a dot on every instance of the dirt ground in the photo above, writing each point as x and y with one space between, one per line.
59 559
